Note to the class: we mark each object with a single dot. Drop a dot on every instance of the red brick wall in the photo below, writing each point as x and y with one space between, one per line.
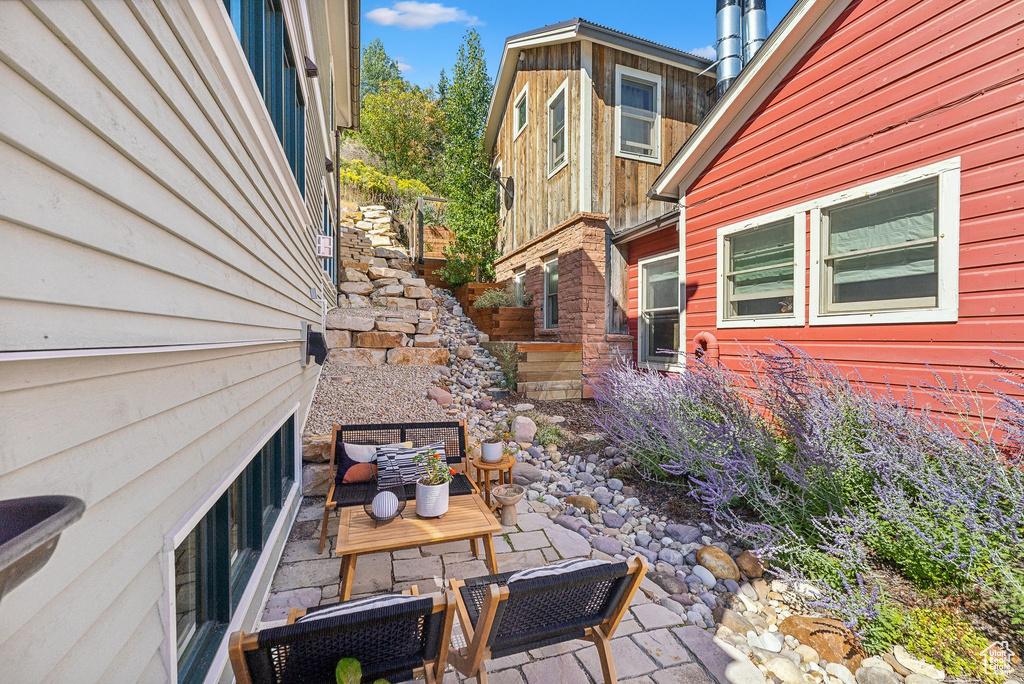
580 245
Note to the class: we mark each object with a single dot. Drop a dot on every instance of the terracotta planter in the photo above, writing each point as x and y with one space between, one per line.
431 500
492 450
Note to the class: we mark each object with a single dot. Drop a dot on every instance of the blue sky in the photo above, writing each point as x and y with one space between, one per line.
425 36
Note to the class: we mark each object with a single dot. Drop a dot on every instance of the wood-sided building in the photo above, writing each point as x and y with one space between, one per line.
164 180
858 193
581 122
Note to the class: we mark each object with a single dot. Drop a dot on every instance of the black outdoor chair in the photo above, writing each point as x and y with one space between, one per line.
396 643
452 433
500 618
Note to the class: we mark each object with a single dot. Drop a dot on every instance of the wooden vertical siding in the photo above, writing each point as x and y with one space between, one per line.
141 204
893 85
618 185
664 241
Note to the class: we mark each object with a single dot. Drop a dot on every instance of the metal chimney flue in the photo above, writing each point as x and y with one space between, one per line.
729 23
755 27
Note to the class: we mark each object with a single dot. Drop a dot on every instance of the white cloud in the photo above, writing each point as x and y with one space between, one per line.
410 14
707 52
403 67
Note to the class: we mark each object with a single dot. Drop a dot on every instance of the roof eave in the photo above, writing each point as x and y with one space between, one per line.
806 21
343 28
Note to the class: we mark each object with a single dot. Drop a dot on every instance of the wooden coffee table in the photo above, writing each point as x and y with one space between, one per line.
468 517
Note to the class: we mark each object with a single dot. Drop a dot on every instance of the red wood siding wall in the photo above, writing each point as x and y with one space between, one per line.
662 242
893 85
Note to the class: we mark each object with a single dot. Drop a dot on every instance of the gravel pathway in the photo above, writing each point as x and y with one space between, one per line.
377 394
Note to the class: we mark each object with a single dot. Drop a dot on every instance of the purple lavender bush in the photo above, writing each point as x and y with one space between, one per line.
825 476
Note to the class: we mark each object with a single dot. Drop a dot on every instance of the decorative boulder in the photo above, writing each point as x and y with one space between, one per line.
380 340
750 565
339 319
718 562
524 429
587 503
442 397
464 352
832 640
417 356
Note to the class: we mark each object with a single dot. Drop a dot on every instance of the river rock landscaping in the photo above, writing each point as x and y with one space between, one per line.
590 485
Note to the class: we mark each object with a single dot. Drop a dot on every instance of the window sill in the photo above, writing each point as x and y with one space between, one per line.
652 159
559 167
945 315
791 322
662 366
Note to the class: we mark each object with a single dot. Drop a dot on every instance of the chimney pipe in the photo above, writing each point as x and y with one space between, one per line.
755 27
728 20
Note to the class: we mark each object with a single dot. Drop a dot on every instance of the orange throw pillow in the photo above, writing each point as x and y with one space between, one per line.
360 472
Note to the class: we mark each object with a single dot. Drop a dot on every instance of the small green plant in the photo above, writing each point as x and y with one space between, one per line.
939 636
436 470
549 434
349 671
509 296
508 360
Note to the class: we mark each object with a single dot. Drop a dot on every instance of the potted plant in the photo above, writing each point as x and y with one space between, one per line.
492 449
432 488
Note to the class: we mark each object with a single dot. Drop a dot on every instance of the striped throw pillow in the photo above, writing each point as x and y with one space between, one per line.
357 605
397 466
557 568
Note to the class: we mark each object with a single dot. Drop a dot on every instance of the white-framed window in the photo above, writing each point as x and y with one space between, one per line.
658 324
519 281
216 556
888 251
761 266
558 155
551 292
520 111
637 114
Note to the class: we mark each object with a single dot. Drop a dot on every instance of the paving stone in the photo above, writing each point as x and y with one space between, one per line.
563 669
503 677
373 573
330 592
314 573
304 550
514 660
651 589
550 555
465 570
416 568
627 627
726 664
532 522
567 543
653 616
663 647
459 557
682 674
429 585
281 603
446 547
405 554
524 541
561 648
314 512
638 680
630 660
520 560
501 544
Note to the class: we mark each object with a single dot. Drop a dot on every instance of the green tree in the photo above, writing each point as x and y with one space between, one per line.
471 211
401 126
376 69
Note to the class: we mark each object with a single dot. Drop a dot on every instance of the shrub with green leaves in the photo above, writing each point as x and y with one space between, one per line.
507 296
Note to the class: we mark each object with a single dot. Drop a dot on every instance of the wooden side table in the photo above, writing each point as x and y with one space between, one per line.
482 470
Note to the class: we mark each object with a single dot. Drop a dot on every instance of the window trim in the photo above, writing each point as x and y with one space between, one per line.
798 319
658 82
641 338
948 302
180 531
562 90
524 94
545 311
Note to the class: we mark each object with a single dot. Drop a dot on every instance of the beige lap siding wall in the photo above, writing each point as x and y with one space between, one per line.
579 243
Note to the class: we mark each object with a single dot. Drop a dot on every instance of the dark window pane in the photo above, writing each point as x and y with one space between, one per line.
662 333
186 588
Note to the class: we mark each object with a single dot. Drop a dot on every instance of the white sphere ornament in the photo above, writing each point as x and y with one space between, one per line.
385 505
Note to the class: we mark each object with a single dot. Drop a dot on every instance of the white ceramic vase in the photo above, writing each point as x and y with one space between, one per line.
492 451
431 500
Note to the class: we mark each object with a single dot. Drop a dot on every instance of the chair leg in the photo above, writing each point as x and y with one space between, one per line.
323 530
604 652
481 674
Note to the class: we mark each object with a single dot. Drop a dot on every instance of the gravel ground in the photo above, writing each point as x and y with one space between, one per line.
387 394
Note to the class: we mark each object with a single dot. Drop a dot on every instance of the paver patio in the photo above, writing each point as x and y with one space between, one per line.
651 646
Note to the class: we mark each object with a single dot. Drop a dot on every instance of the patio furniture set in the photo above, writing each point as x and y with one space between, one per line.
400 636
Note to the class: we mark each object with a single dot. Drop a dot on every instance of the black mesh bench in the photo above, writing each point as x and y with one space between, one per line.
499 619
452 433
396 643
